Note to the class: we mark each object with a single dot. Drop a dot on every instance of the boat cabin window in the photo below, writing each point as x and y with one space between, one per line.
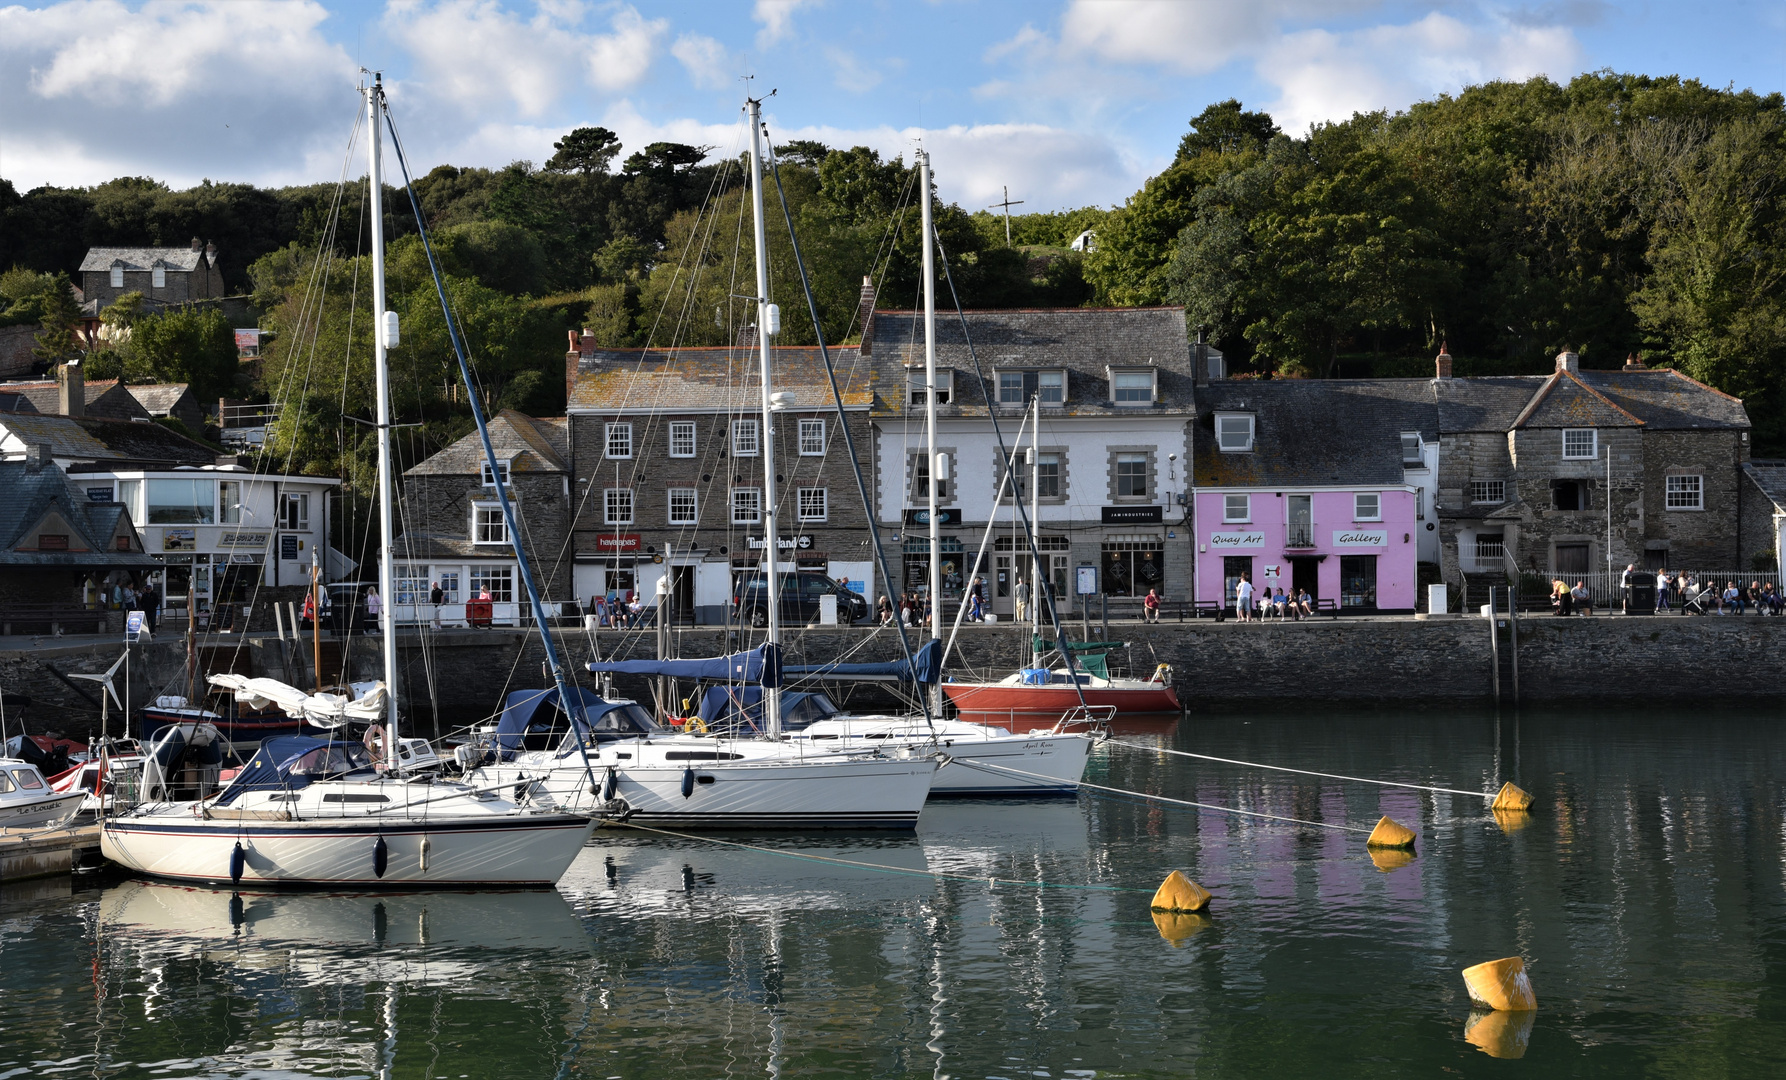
336 759
808 710
5 782
625 720
28 779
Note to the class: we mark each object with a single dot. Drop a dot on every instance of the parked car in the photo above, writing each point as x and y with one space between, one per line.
800 596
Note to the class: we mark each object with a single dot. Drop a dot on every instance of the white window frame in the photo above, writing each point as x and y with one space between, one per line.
1021 402
1044 459
1229 504
682 438
914 385
1413 439
301 500
481 525
229 502
619 506
1677 492
1241 446
688 500
1593 444
1488 492
1041 391
812 504
158 276
481 576
502 469
117 275
747 506
1153 386
617 441
1376 506
812 438
923 462
1116 473
747 438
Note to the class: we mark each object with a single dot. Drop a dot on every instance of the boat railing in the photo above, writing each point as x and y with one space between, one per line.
1096 718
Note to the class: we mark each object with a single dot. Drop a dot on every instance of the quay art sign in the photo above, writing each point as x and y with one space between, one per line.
1236 541
1357 538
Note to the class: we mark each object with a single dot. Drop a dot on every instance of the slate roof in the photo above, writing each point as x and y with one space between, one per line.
1564 401
1084 341
13 402
1659 399
89 438
713 379
141 258
158 399
1770 477
1312 432
527 444
1668 400
426 547
103 398
27 494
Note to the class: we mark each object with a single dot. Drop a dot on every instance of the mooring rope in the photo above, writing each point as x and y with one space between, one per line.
880 867
1303 772
1161 798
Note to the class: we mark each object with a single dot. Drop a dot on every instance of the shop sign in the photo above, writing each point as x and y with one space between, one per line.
1086 580
617 542
243 539
288 548
782 543
179 540
100 494
1236 541
951 516
1133 515
1360 538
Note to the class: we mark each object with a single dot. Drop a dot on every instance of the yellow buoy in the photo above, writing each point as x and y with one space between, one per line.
1501 1034
1501 984
1391 833
1511 821
1387 859
1178 926
1512 797
1180 893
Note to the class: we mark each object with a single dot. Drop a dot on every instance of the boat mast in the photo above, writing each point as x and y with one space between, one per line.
1035 524
768 319
938 473
382 325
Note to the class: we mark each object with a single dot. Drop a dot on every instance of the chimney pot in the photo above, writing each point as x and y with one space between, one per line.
1570 361
211 251
1442 362
865 315
1633 362
197 244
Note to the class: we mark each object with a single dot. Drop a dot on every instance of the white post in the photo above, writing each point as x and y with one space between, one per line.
382 378
766 444
935 463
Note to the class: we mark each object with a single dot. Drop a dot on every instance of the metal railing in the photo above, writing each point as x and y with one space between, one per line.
1607 593
1299 534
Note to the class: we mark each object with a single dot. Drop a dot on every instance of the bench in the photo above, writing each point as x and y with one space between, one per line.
51 617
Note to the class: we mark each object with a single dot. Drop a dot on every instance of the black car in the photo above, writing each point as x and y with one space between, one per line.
800 594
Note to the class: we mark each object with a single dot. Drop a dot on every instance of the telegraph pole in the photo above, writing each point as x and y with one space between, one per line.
1007 204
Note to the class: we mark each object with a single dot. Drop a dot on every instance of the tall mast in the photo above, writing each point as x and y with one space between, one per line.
1035 523
938 474
382 325
768 316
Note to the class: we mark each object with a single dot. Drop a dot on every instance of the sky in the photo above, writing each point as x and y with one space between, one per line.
1066 103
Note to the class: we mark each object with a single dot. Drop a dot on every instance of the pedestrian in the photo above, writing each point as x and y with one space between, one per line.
1663 581
1625 588
436 597
1584 602
975 613
1150 607
374 609
150 603
1243 599
885 610
1020 601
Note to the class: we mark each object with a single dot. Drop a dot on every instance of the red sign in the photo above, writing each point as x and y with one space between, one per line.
617 542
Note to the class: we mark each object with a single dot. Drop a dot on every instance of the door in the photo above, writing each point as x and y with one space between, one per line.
1004 580
1572 559
1305 576
682 595
1300 526
1233 566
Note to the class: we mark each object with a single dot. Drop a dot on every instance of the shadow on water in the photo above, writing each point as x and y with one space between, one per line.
1647 891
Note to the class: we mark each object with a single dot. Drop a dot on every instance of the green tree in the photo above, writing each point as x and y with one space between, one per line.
59 340
585 150
189 344
1225 127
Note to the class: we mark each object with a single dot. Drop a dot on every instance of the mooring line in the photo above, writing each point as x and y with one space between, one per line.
1303 772
881 867
1163 798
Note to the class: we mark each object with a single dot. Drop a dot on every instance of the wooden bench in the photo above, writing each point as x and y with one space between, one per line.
51 617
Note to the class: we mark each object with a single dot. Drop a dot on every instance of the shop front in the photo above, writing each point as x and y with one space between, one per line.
1353 548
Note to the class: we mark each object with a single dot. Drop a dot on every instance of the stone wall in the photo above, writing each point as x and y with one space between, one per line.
16 345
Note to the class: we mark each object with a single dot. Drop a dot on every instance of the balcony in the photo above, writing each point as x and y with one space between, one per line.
1299 535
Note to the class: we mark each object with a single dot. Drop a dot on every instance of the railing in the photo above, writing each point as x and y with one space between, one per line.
1606 590
1299 534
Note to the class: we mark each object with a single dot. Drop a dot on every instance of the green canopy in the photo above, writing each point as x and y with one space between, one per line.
1082 646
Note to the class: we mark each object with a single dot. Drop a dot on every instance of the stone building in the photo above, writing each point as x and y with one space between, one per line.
163 275
174 400
1763 500
1114 387
69 394
57 544
666 448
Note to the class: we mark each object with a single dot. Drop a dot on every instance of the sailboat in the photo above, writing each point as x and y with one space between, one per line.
311 811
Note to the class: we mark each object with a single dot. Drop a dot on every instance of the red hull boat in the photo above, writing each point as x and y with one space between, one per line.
1020 706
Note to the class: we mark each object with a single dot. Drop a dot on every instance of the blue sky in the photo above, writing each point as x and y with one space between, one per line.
1069 102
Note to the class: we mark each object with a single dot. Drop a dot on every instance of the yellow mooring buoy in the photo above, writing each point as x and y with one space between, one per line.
1390 833
1390 859
1512 797
1501 985
1178 926
1180 895
1501 1034
1511 821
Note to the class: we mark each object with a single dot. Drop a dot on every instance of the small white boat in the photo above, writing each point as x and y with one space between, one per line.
121 762
28 802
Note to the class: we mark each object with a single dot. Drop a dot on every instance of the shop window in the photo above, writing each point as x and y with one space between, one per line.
1131 567
916 551
1358 581
410 584
448 580
497 581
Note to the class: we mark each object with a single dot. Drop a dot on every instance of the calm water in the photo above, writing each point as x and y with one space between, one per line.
1648 893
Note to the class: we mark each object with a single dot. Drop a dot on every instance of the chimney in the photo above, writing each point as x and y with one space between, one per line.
1200 358
71 390
865 315
1569 361
1633 362
211 253
197 244
1442 362
747 336
37 455
226 461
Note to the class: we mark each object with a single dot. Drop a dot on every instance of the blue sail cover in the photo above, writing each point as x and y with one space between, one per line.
741 708
761 665
524 707
270 769
925 668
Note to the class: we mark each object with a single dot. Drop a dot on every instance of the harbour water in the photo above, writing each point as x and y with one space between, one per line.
1647 892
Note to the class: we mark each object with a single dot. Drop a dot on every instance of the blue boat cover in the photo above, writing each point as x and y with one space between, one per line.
524 707
271 767
761 665
741 707
926 668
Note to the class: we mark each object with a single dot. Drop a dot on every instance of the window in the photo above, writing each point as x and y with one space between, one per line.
812 438
1131 476
1237 508
747 506
184 502
1685 493
487 524
128 490
489 476
1568 495
1412 458
498 581
1367 506
619 438
1488 491
1051 386
914 382
744 438
448 580
1018 387
617 506
684 508
1048 476
411 584
229 502
921 480
1419 504
158 276
1132 387
294 512
1234 432
1580 443
813 504
117 275
682 438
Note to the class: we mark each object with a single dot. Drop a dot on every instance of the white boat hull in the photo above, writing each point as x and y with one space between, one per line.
1038 765
48 809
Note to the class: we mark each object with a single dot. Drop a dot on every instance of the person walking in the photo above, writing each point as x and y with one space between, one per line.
1625 588
1020 601
1150 607
885 608
436 597
1663 582
1243 599
374 609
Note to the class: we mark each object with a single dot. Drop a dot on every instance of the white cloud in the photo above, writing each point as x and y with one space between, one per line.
621 59
707 62
777 18
850 73
1190 37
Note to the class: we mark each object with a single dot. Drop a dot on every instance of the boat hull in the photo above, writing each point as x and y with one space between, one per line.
530 850
238 729
1017 707
1038 765
44 810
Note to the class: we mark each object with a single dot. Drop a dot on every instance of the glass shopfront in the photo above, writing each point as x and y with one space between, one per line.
1133 565
1358 581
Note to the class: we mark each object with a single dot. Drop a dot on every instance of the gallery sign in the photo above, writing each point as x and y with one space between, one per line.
1236 541
1355 538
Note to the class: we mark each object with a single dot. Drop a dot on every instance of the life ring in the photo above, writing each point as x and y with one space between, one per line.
374 741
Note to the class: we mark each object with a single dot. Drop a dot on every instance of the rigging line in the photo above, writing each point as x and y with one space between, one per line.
988 766
1029 527
1304 772
849 440
877 867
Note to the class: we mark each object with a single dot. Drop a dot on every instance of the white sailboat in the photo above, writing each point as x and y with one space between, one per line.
309 811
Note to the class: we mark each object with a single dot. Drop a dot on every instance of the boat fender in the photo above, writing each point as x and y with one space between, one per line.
521 791
238 861
427 847
381 857
611 783
1512 797
688 782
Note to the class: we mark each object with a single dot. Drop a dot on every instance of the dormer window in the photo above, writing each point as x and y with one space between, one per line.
489 476
1234 432
1413 456
914 382
158 275
1018 388
117 274
1132 387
